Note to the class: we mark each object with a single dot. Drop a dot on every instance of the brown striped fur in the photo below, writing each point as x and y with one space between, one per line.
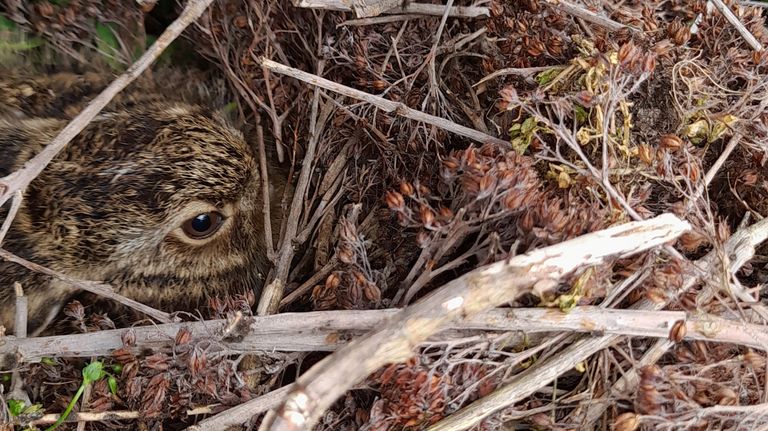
111 205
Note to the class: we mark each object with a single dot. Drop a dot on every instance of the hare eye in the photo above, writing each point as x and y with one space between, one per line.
203 225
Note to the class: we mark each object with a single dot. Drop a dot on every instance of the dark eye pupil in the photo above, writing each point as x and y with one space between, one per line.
201 223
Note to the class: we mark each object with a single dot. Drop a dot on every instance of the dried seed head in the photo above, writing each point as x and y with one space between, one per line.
422 239
629 421
406 188
346 253
649 64
380 84
451 164
671 142
692 240
678 331
129 338
333 281
240 21
645 152
183 337
627 52
372 292
426 215
656 295
395 200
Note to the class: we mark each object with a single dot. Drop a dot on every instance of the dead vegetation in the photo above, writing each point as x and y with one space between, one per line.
441 143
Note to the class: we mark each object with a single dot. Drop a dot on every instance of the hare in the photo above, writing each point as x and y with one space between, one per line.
162 200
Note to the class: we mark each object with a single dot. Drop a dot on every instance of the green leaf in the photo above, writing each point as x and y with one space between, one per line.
547 76
581 114
93 372
117 368
519 145
34 409
529 125
16 407
107 44
230 107
48 361
112 382
6 24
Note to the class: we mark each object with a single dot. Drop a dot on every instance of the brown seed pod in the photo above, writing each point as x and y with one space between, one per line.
184 336
678 331
646 154
406 188
426 215
671 142
629 421
240 21
395 200
333 281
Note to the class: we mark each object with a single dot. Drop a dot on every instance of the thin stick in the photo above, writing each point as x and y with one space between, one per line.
15 205
384 104
242 413
269 302
526 72
20 328
266 209
20 179
587 15
101 289
287 332
111 415
734 21
472 293
410 8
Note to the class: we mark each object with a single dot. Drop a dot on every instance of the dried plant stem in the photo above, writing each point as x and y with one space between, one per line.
734 21
111 415
238 415
287 332
15 205
542 373
269 303
525 72
20 329
465 296
410 8
587 15
20 179
310 283
103 290
267 207
384 104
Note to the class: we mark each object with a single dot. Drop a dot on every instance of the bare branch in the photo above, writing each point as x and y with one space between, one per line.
465 296
101 289
384 104
587 15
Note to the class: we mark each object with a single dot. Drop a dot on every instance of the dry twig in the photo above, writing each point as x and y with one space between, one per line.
287 332
384 104
734 21
470 294
101 289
